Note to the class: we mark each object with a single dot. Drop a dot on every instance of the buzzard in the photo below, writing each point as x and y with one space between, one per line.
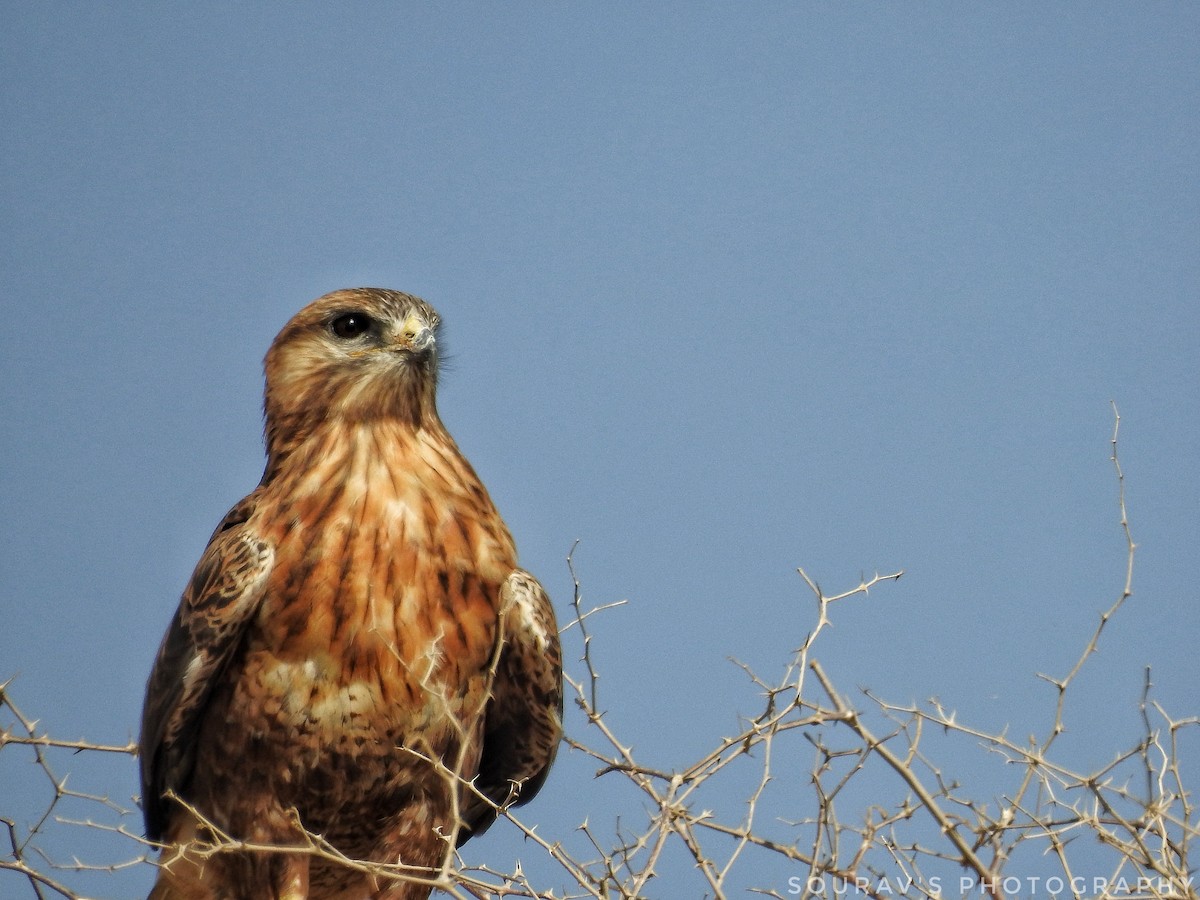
358 664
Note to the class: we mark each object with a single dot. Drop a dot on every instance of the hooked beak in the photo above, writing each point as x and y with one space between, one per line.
414 336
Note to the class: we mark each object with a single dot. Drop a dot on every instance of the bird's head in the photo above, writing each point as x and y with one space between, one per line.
352 356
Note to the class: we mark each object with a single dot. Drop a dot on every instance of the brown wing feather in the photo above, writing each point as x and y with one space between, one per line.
523 724
219 601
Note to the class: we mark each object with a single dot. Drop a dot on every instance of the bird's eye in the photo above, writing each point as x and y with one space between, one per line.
350 325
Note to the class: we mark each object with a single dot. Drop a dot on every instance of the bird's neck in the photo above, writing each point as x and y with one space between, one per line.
299 447
306 407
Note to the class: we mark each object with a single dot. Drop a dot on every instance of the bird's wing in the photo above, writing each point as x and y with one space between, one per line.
220 600
523 724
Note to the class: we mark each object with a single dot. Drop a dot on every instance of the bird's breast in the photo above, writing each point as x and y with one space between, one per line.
381 611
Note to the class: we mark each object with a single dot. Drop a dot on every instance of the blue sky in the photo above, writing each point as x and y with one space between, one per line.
728 289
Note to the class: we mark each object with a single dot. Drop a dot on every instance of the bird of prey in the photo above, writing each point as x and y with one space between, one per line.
358 666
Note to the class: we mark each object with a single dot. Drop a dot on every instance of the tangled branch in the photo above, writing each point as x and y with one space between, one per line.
883 817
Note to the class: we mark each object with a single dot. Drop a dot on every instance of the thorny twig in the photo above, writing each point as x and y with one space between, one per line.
855 834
